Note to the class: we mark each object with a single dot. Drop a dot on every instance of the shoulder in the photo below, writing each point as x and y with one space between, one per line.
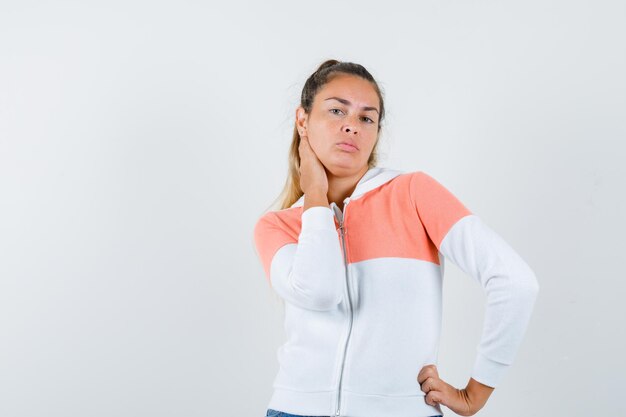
428 192
425 182
414 175
420 176
417 182
286 222
273 230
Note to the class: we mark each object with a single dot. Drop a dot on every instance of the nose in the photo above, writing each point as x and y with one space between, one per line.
349 128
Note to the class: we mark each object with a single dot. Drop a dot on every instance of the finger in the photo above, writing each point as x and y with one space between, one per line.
304 141
308 149
311 151
432 384
433 398
426 371
302 147
425 386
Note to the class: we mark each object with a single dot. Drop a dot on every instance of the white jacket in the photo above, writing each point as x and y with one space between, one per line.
363 295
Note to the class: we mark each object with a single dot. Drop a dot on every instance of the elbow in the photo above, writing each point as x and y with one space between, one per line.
532 284
535 287
524 279
318 299
325 303
327 297
527 286
317 295
327 293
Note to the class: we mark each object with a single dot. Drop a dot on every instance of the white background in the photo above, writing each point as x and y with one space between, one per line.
140 142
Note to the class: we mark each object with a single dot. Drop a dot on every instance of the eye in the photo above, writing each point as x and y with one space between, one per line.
364 117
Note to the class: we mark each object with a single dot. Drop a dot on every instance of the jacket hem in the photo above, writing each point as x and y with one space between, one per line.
353 404
303 402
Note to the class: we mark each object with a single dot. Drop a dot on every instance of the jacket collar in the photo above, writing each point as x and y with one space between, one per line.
373 178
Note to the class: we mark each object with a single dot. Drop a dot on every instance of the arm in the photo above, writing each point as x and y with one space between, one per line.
510 286
307 271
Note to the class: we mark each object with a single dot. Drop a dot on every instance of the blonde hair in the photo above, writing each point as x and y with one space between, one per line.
325 73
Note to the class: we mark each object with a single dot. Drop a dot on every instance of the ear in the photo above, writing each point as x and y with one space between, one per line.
301 118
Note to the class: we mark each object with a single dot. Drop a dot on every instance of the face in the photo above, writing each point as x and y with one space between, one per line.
344 110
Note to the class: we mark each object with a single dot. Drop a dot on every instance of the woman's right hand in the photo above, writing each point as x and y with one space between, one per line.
313 179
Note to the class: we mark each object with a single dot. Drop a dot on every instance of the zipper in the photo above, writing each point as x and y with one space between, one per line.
345 254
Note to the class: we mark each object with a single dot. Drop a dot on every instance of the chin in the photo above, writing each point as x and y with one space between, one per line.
343 168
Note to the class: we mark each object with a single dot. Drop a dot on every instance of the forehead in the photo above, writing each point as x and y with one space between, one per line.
355 89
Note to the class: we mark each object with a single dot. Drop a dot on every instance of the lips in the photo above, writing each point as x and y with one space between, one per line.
348 145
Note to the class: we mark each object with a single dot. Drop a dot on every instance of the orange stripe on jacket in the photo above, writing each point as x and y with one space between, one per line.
274 230
407 217
404 218
436 206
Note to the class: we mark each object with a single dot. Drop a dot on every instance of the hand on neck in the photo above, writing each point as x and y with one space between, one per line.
340 188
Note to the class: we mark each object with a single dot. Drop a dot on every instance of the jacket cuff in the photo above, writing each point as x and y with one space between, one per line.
318 218
487 371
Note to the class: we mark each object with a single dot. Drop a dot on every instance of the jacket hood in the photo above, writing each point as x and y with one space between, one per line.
374 177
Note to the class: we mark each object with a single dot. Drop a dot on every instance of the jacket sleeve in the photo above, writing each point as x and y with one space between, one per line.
309 271
510 285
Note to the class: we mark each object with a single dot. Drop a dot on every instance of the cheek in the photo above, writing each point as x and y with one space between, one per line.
371 144
320 139
316 144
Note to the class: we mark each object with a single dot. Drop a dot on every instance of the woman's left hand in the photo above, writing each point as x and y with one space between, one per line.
464 402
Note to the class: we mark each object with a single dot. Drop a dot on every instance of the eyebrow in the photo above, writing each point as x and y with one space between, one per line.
346 102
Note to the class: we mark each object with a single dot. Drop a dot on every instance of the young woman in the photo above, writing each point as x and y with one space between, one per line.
356 250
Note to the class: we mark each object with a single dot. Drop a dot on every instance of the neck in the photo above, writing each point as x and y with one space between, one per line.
339 188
